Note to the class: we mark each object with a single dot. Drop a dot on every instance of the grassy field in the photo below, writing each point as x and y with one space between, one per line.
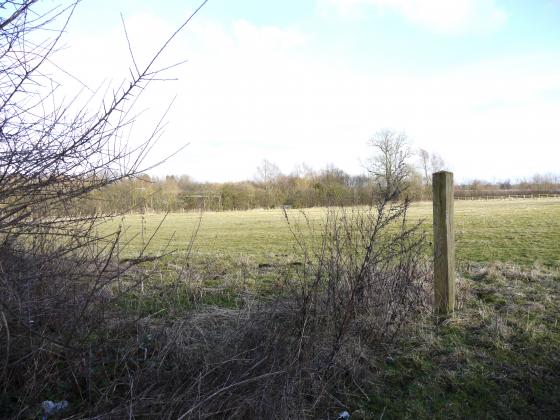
497 357
234 307
523 232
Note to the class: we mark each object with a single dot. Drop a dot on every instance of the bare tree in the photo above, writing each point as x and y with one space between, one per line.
51 155
430 163
424 156
56 272
389 164
438 164
267 174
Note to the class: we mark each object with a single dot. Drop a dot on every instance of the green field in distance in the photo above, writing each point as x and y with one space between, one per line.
525 232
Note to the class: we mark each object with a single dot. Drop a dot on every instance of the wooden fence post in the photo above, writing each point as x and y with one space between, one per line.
444 243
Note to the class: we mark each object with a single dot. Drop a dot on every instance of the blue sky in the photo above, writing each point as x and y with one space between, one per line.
477 81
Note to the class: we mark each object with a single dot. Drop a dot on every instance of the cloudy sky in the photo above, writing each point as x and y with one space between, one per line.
477 81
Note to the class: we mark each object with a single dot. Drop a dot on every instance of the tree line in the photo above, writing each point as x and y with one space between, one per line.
330 186
536 185
302 188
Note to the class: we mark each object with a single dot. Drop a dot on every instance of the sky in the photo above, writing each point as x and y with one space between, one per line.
292 81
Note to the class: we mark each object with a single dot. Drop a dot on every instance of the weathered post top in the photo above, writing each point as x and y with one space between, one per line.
444 243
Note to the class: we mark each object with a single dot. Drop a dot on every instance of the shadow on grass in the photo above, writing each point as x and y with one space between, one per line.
496 358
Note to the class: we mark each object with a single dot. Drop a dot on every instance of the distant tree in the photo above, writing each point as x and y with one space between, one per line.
389 165
184 182
505 185
438 164
332 174
267 174
303 170
424 156
53 153
429 163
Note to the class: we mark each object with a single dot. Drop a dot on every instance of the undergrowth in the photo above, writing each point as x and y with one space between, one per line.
347 327
162 339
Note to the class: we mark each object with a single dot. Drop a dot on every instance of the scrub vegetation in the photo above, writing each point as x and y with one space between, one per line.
257 314
495 358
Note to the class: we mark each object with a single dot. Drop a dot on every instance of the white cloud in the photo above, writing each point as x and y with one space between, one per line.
250 92
440 15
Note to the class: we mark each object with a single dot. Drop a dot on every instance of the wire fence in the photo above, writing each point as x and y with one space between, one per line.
507 197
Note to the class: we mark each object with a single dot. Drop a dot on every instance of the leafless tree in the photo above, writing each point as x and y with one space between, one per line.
389 165
267 174
438 164
425 166
430 163
50 152
55 271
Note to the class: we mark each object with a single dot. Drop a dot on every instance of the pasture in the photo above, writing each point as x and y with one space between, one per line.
521 232
497 357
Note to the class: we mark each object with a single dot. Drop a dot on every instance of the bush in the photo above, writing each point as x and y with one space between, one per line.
310 350
56 275
64 333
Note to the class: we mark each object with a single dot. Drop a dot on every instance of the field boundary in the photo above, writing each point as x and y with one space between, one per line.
508 197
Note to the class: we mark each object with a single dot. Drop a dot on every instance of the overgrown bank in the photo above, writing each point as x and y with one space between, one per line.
496 358
347 328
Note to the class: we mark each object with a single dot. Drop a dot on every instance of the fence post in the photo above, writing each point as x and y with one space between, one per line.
444 243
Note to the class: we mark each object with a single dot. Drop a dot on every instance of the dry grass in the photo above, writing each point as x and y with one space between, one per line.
347 326
496 358
308 350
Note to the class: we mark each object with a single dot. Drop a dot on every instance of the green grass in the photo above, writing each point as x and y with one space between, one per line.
496 358
524 232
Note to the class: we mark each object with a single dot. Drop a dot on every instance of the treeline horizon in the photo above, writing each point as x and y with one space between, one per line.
330 186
